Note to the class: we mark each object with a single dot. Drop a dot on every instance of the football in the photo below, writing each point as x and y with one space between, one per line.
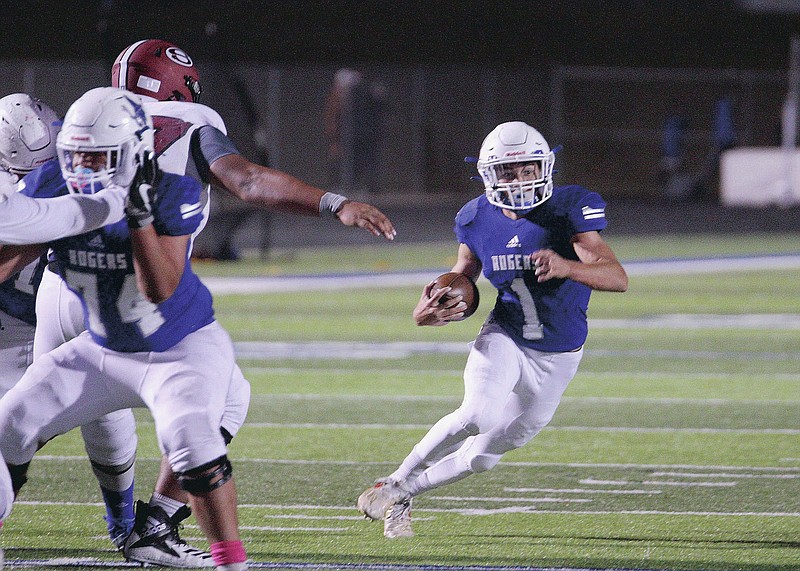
461 285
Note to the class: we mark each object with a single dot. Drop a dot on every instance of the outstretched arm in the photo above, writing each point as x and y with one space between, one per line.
269 188
25 220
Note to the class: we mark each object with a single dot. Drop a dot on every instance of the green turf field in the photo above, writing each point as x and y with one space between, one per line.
676 447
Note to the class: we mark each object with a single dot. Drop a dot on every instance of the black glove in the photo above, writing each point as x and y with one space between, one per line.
142 192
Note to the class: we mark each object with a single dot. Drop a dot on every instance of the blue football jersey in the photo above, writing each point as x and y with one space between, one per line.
547 316
98 267
18 293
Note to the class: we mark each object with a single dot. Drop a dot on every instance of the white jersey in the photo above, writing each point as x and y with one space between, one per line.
175 122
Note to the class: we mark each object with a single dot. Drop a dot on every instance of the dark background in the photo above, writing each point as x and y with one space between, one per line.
495 37
658 33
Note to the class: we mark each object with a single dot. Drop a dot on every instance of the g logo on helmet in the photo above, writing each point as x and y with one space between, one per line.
179 56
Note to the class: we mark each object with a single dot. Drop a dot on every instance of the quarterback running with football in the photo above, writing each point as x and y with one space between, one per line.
151 340
541 248
190 139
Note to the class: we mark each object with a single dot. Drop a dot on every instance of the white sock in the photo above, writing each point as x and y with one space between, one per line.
166 503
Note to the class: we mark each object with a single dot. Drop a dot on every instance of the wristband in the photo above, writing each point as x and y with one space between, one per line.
330 204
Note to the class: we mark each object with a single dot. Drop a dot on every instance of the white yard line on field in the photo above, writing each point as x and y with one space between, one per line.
793 471
362 350
265 284
464 511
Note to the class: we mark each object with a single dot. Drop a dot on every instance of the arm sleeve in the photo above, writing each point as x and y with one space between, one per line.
207 145
25 220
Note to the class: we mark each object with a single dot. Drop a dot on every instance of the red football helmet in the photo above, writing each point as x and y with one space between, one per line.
158 69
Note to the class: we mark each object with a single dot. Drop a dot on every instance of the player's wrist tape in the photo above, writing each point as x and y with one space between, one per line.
330 204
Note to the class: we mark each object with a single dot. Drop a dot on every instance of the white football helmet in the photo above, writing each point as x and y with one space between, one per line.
28 130
109 120
511 145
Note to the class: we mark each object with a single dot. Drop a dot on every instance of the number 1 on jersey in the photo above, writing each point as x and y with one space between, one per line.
532 329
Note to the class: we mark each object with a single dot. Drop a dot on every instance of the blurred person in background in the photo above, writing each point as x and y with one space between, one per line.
354 121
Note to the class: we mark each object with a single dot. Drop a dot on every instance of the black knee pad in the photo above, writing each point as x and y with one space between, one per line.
19 475
113 470
207 477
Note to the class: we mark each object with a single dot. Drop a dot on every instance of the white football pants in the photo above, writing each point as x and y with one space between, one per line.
6 491
510 394
111 439
16 353
186 389
16 344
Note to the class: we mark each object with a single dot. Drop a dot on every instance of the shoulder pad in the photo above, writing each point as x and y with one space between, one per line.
44 182
467 212
571 192
194 113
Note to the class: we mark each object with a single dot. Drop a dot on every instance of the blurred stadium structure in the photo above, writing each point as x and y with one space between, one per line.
610 120
602 81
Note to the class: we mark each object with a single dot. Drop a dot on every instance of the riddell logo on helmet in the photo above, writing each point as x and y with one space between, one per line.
80 138
515 153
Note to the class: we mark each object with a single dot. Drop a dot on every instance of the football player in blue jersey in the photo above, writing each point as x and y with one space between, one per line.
28 131
190 139
149 319
540 246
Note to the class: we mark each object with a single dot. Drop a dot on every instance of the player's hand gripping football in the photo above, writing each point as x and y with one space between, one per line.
141 195
367 217
435 309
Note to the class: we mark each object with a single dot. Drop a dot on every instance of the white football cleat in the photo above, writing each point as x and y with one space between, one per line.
398 520
376 500
155 540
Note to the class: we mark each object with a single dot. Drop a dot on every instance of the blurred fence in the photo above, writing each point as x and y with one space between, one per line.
609 120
